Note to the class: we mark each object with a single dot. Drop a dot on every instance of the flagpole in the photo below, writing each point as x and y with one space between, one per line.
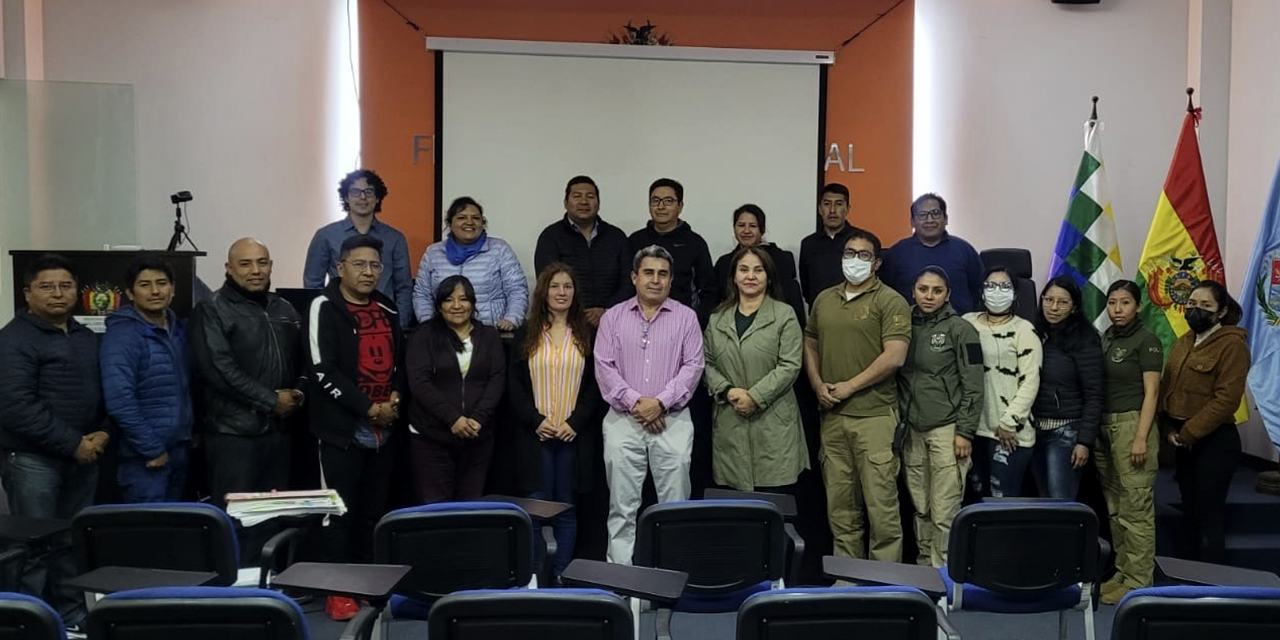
1093 117
1190 108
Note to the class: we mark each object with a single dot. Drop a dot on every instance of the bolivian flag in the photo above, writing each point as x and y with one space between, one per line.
1182 246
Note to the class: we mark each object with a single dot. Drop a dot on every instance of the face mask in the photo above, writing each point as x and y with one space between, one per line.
1200 320
856 270
998 301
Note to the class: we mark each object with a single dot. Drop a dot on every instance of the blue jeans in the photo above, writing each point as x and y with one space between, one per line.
163 484
996 472
43 487
1051 465
559 483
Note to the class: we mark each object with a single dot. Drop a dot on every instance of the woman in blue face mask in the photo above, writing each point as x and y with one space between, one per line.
1011 355
1200 391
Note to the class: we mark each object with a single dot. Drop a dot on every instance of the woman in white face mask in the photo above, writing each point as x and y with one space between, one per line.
1011 355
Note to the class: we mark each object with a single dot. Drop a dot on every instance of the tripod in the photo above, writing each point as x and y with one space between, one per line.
179 231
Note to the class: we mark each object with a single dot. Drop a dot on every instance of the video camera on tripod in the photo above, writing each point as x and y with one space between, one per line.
180 231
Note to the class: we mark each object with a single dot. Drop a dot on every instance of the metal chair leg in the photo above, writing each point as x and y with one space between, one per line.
635 617
1088 623
662 623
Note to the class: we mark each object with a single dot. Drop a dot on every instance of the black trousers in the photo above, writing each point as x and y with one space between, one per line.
1204 475
362 477
245 463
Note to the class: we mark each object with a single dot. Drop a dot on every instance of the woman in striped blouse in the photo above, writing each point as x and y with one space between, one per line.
555 400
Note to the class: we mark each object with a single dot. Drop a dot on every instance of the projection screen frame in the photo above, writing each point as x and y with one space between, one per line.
439 46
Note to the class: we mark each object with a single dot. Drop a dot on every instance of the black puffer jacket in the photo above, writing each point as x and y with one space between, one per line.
603 268
1072 381
245 349
50 386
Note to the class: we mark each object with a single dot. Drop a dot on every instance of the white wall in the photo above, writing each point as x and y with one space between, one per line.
1002 90
1254 148
247 104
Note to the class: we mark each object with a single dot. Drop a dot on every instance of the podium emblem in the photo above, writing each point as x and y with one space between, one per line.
101 298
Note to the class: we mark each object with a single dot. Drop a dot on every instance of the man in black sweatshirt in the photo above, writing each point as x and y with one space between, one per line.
355 356
692 277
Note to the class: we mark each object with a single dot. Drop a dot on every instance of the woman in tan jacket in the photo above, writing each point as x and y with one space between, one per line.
753 355
1204 379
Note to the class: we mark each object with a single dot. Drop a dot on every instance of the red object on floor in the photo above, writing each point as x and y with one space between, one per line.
341 608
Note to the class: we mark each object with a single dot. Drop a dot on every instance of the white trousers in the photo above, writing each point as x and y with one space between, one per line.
629 452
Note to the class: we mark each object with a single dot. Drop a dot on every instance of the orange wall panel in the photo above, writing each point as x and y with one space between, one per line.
868 89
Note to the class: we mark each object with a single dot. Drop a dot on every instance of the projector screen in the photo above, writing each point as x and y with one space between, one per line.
515 127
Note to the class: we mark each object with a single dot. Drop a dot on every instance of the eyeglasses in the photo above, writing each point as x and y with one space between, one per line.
663 202
1055 302
644 336
50 287
861 255
361 265
354 192
998 286
931 214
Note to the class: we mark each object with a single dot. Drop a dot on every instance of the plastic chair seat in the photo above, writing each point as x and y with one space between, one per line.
978 599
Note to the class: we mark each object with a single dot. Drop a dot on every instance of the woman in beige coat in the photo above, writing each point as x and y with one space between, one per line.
753 355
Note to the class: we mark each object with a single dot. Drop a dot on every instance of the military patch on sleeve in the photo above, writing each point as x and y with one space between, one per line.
974 352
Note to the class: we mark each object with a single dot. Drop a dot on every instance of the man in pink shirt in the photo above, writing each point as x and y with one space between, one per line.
649 359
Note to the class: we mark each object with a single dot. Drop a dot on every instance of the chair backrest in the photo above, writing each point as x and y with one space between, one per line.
1018 261
457 545
197 613
724 545
180 536
23 617
1193 613
526 614
1024 549
883 613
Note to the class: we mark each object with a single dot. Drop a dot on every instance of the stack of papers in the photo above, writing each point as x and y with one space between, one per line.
255 508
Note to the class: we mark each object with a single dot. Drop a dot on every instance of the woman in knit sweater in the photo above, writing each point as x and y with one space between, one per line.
1011 356
1068 407
1202 385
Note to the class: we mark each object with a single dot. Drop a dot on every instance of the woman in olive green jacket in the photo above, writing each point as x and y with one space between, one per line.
753 350
940 390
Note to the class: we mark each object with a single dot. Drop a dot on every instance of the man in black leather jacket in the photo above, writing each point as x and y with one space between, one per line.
245 341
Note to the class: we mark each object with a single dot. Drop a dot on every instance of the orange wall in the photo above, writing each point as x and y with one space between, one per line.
868 90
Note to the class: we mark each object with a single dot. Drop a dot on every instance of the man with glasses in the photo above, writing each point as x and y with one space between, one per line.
854 343
930 244
245 342
820 251
692 275
361 193
355 358
649 360
52 431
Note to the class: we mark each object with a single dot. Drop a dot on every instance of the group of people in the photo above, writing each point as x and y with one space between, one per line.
914 354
